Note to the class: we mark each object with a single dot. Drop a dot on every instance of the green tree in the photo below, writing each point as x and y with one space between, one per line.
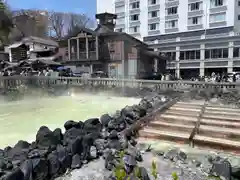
5 22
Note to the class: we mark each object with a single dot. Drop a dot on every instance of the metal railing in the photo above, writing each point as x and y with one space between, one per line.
13 81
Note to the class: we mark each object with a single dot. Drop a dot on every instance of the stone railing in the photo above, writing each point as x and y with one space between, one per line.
11 81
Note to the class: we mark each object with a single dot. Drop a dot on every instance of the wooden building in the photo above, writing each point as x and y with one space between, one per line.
117 53
29 47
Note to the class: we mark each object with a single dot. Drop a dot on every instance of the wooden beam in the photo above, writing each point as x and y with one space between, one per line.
69 49
87 51
78 54
97 53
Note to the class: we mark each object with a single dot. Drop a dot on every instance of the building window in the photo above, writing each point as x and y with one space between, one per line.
194 6
171 24
172 10
189 55
216 53
152 2
154 26
218 17
236 52
194 20
119 30
135 17
134 29
238 3
135 5
153 14
171 56
216 3
239 17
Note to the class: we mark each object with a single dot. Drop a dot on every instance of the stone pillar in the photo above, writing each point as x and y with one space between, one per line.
10 54
78 53
155 62
87 51
230 57
202 69
177 70
202 58
97 46
69 49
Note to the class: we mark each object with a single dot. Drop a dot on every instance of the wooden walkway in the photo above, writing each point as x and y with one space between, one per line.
197 123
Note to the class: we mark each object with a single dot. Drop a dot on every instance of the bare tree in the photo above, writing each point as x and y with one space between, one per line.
57 22
30 23
76 22
64 24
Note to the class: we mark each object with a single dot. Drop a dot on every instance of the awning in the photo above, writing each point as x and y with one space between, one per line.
155 54
15 45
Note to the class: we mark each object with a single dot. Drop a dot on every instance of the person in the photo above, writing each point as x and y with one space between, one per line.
234 78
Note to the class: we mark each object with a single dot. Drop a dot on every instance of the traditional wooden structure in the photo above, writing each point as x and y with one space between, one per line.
117 53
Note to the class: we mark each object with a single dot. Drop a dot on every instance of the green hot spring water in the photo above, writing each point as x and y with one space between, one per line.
22 119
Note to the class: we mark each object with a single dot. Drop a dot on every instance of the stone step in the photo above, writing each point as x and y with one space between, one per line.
212 142
180 112
219 132
221 117
176 121
178 117
220 123
192 103
166 126
186 106
174 136
223 109
185 109
213 112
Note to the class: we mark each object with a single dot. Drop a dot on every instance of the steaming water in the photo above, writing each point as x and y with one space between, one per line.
22 119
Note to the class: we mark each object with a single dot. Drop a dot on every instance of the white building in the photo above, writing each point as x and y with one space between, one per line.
198 35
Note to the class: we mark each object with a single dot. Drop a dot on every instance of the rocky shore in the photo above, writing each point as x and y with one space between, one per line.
91 150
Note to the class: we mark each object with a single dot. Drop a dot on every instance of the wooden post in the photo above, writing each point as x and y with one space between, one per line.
69 49
97 53
78 54
87 52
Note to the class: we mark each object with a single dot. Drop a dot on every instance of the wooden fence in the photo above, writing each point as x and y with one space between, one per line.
13 81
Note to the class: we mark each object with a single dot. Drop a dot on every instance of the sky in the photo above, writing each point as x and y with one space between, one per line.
87 7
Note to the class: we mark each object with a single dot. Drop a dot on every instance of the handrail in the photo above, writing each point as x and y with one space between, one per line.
122 82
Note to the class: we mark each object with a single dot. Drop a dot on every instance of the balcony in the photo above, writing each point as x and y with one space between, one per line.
195 13
171 16
195 27
134 11
217 24
218 9
153 20
153 32
171 3
119 3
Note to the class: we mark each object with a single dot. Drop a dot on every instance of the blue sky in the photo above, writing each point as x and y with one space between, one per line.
87 7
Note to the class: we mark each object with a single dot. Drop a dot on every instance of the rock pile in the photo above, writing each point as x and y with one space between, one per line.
54 152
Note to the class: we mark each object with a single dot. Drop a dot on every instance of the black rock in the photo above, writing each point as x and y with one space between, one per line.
113 135
45 138
105 119
16 174
22 145
72 134
38 153
64 157
92 125
2 164
76 146
236 172
40 168
70 124
58 134
76 162
54 164
27 169
222 168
